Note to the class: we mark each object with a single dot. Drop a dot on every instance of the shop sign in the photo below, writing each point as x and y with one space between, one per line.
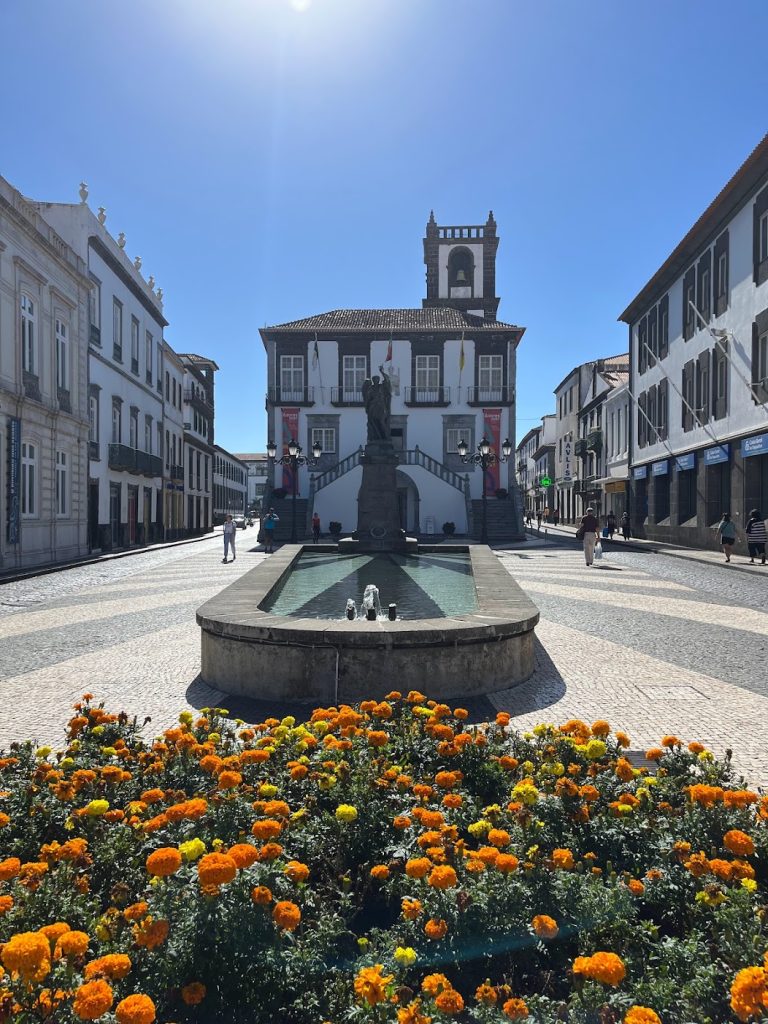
683 462
754 445
567 449
639 472
720 453
14 479
660 468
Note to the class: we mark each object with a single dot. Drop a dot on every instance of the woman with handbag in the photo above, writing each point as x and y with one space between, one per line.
587 532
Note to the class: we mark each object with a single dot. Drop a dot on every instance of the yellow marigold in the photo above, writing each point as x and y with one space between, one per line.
371 985
749 992
346 813
434 983
113 965
296 871
163 862
595 750
405 955
92 1000
216 869
449 1002
607 968
739 843
442 877
192 849
544 926
28 953
71 944
137 1009
286 915
379 872
193 993
641 1015
261 895
515 1009
562 859
434 929
243 854
96 808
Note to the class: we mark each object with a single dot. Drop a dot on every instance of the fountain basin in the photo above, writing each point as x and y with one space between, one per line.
252 652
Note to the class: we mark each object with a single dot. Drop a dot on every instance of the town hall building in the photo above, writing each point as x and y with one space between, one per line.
452 369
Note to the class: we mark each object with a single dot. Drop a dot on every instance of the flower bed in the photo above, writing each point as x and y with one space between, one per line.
381 863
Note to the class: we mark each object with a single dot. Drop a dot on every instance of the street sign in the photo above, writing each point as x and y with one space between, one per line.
545 481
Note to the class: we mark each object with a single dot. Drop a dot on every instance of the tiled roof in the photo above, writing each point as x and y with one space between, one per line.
437 318
201 360
615 378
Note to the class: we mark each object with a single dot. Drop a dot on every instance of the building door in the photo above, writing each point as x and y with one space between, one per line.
93 515
402 505
114 514
147 514
756 484
133 511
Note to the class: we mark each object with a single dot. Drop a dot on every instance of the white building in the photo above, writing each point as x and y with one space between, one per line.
616 418
525 465
230 485
198 399
44 289
698 334
173 443
257 465
544 466
452 367
125 396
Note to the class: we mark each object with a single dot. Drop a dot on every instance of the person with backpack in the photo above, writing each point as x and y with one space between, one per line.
726 531
268 524
756 536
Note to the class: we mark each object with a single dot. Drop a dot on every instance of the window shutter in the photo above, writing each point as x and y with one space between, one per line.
663 409
721 287
702 398
760 270
642 423
642 338
653 336
664 327
704 288
689 285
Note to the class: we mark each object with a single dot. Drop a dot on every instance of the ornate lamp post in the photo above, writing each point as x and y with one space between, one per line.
294 459
484 457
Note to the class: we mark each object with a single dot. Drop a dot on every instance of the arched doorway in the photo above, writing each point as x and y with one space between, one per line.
408 502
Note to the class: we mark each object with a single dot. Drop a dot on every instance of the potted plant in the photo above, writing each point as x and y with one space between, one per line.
501 492
334 528
449 529
279 493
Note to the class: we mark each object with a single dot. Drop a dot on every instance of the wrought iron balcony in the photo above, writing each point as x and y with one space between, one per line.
503 395
346 396
199 400
290 396
427 396
595 440
123 458
580 448
177 472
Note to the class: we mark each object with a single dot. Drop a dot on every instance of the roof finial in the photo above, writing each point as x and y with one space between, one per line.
83 191
102 215
121 239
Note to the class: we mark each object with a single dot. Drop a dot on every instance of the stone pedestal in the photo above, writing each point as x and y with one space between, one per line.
378 513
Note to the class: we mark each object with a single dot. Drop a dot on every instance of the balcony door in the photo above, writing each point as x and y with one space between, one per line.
490 381
291 378
354 372
427 371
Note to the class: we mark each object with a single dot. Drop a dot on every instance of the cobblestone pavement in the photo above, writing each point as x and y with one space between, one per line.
655 644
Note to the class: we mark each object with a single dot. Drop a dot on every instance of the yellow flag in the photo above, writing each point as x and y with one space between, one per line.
461 356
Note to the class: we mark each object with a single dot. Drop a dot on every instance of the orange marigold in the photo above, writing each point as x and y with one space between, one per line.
296 871
261 895
562 859
193 993
135 911
28 953
137 1009
243 854
749 992
150 933
163 862
544 926
418 867
9 868
286 915
411 1014
486 994
434 983
641 1015
506 863
216 869
411 909
113 965
267 828
607 968
71 944
229 780
499 837
515 1009
449 1001
92 1000
371 985
739 843
380 872
442 877
434 929
6 902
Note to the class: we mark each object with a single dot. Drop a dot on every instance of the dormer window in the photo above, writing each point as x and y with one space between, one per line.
461 273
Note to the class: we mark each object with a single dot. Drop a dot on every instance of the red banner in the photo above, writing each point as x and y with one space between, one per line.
290 433
492 429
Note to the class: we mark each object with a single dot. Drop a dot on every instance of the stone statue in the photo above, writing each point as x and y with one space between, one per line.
377 395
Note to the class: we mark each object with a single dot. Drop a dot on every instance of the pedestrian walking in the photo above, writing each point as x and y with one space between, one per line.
230 532
726 531
528 519
587 532
625 526
611 524
756 536
268 524
538 517
556 517
315 528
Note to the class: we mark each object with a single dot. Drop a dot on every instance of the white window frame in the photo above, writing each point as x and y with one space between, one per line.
149 345
62 353
490 368
62 484
706 292
148 435
455 434
133 430
134 344
29 488
690 316
93 418
354 370
94 302
117 423
426 371
117 329
291 374
326 438
722 274
28 307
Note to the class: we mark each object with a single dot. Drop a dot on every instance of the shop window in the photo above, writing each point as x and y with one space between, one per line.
661 498
718 491
686 495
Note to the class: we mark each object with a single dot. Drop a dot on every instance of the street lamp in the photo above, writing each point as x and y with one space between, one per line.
484 457
294 459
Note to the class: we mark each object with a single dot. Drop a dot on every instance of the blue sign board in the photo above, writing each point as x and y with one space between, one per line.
720 453
754 445
640 472
660 468
14 479
683 462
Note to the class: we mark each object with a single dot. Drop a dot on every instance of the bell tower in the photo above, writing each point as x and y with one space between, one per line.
461 266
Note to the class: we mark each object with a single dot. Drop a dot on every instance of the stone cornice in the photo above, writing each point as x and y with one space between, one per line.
125 276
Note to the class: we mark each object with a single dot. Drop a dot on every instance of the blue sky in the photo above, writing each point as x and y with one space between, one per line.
269 159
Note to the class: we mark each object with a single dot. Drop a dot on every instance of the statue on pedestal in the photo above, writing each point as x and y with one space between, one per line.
377 395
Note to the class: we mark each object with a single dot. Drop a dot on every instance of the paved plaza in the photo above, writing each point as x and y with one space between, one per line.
653 643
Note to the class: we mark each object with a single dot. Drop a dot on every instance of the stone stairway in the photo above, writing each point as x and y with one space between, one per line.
284 509
504 521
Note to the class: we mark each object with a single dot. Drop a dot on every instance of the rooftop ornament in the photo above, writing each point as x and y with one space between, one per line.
121 239
83 192
102 215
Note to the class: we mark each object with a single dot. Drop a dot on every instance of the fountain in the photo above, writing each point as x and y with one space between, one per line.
458 625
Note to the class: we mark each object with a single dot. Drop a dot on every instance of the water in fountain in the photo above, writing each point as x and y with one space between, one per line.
371 600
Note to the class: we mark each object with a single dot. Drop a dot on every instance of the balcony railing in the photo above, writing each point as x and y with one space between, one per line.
580 447
595 440
502 395
32 386
177 472
427 396
290 396
64 399
346 396
130 460
199 400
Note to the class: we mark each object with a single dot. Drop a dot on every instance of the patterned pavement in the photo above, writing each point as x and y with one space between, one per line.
653 643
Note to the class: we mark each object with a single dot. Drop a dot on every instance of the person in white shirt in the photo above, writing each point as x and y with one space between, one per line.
230 531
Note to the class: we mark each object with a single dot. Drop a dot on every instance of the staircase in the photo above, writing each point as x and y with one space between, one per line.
504 521
284 509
